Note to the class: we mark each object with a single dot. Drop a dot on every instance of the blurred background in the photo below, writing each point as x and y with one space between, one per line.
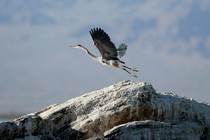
168 41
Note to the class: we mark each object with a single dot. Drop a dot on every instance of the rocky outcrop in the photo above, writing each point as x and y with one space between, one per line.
126 110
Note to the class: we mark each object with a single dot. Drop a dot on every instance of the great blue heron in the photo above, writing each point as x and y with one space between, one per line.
109 53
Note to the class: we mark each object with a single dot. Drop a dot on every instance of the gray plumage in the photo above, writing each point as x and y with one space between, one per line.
109 53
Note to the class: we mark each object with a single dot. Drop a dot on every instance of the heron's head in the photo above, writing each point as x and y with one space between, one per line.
75 46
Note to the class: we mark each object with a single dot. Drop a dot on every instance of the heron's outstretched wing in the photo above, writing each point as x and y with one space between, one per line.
103 42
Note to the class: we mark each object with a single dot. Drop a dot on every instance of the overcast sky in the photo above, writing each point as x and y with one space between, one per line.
168 41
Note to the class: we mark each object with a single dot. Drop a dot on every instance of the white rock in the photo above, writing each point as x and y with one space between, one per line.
125 110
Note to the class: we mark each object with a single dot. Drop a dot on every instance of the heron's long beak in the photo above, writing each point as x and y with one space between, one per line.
72 46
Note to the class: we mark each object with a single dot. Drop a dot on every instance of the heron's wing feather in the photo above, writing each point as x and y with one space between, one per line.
103 42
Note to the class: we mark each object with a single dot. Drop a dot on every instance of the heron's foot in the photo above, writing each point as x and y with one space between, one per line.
133 73
130 71
135 70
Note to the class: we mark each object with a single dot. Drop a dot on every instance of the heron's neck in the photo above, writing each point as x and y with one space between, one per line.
90 54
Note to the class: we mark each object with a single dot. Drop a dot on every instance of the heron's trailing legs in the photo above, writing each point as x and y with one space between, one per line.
135 70
131 72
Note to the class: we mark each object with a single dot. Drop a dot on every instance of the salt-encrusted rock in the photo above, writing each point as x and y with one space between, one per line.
152 130
126 110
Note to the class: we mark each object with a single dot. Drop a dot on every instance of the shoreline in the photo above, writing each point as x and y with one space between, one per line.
10 116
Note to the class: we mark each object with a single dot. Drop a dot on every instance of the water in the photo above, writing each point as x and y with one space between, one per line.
9 117
4 120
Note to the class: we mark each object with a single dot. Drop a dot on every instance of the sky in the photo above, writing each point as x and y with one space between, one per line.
168 41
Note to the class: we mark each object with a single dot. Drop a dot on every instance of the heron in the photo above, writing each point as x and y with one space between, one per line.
109 53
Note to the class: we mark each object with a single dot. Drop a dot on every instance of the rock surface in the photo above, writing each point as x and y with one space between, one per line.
125 110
